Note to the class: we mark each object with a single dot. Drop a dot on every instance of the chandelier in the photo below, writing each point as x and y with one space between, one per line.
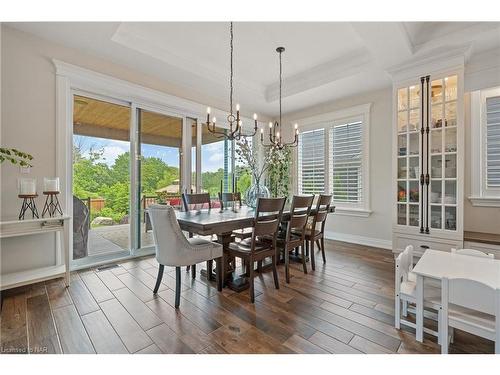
275 131
235 124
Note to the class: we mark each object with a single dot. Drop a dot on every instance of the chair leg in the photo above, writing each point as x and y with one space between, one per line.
323 249
259 266
209 269
218 270
304 265
193 271
287 265
252 292
307 248
313 263
275 273
397 313
177 287
318 244
158 279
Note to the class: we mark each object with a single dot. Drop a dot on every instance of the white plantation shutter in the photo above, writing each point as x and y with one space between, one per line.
493 141
311 162
346 145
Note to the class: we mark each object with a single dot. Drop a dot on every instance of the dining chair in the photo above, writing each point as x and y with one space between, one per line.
225 200
197 201
406 292
295 234
262 243
312 234
473 253
470 306
174 249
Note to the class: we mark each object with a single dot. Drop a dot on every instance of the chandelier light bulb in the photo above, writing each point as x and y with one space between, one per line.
296 126
255 116
237 107
270 124
261 131
215 119
208 110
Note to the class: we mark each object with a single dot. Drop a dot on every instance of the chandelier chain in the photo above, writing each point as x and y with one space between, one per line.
231 76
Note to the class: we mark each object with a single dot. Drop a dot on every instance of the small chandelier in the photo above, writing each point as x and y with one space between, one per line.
275 133
235 124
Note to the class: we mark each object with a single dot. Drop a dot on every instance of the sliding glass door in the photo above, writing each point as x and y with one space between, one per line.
159 167
101 178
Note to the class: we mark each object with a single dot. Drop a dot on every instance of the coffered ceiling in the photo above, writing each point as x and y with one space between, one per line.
322 62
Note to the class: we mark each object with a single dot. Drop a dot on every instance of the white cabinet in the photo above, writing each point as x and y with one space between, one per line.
428 161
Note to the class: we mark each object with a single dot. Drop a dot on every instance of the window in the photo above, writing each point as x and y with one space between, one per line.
332 156
346 175
493 142
485 148
311 162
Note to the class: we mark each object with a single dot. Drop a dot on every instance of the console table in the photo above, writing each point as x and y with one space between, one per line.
31 227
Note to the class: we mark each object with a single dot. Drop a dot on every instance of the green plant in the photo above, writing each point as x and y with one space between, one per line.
279 171
15 157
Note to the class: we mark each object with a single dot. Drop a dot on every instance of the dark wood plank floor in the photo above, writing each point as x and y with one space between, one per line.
345 306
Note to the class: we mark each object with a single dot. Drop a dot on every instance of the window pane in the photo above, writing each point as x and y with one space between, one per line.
493 141
345 162
311 162
215 163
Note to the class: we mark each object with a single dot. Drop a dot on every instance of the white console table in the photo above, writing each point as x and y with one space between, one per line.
30 227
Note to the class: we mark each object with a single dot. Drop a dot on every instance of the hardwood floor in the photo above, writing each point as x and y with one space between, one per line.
345 306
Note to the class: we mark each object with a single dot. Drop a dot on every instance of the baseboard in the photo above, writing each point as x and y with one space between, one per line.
360 240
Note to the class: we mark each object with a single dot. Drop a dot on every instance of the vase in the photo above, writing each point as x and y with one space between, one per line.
255 192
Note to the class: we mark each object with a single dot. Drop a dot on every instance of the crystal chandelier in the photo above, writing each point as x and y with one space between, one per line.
275 131
235 124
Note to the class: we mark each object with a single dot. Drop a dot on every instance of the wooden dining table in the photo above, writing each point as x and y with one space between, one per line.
222 223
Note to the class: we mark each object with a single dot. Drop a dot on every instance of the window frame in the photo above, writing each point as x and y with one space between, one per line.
481 194
326 121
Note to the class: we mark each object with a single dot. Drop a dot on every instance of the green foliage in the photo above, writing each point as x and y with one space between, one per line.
279 172
108 212
16 157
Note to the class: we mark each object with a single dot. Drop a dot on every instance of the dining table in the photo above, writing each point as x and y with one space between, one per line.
435 264
222 223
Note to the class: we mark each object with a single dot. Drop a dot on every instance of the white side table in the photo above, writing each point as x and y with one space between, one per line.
30 227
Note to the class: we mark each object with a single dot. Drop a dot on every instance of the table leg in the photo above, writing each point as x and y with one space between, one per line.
420 309
234 283
65 245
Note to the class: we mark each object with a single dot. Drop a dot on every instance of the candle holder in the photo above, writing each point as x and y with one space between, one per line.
28 204
52 206
51 190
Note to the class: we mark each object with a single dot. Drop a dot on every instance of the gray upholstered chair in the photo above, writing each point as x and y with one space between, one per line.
175 250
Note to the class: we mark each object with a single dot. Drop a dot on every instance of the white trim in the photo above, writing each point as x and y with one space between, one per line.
360 240
326 121
347 211
485 201
481 195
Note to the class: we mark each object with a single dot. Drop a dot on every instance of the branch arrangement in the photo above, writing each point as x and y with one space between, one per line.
15 156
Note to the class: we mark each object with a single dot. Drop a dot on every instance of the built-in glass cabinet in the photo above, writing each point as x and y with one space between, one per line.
427 154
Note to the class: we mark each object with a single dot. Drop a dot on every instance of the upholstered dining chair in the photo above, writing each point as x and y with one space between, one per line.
262 244
175 250
196 201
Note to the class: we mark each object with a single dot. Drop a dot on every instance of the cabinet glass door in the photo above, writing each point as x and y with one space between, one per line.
443 154
408 156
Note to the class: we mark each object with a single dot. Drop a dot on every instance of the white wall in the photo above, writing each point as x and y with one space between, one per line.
375 229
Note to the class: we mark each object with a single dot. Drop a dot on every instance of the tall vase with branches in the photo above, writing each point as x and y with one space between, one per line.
16 157
247 156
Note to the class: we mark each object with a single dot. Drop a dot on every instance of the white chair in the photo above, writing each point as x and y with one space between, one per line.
470 306
472 252
174 249
406 289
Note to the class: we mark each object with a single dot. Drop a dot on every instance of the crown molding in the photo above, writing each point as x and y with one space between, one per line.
430 62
